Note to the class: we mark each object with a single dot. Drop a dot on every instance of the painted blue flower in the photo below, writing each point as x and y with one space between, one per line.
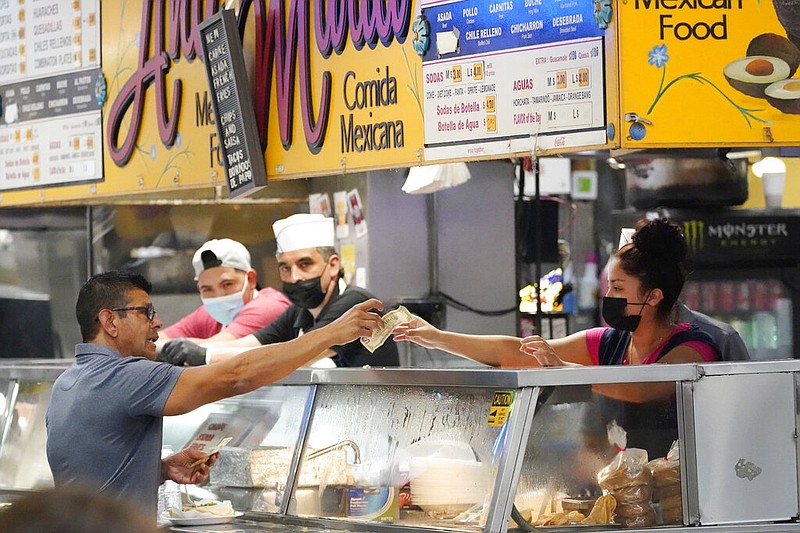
100 90
658 56
422 35
602 13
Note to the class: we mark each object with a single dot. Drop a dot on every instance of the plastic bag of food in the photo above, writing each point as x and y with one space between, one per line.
629 466
629 480
667 470
667 480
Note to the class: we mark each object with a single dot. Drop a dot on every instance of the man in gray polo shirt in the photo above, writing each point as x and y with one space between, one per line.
104 422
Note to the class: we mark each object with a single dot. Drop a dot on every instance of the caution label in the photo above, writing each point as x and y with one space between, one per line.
501 406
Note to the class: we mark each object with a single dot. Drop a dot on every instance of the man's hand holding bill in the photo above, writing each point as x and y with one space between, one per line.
391 320
358 321
183 467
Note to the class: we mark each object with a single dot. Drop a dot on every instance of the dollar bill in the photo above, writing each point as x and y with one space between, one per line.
390 321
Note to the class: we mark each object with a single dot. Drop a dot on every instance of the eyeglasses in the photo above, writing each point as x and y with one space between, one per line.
148 310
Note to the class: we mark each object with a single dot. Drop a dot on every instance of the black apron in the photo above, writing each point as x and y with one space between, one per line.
652 426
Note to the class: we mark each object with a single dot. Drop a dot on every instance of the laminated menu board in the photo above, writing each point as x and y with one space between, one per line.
233 107
215 430
506 77
52 92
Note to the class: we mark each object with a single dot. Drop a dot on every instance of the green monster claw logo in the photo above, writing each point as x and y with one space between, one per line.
694 232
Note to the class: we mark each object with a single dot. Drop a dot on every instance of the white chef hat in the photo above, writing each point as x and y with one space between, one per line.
221 252
304 231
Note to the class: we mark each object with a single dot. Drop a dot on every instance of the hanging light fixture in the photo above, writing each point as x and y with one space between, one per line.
772 171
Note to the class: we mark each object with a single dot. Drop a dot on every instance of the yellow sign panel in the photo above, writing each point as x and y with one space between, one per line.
358 104
502 401
334 92
709 73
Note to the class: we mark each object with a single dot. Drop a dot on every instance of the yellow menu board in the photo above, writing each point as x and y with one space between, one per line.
703 73
336 89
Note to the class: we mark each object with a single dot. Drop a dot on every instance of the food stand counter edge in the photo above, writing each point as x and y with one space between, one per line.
455 450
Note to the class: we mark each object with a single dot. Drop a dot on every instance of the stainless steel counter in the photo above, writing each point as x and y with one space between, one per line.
271 524
529 430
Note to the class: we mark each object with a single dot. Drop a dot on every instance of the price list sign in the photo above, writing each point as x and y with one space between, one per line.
509 77
233 107
52 92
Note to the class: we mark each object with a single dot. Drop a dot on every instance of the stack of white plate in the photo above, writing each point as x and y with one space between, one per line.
447 486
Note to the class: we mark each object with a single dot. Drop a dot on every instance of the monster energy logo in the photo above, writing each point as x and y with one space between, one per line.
693 231
745 233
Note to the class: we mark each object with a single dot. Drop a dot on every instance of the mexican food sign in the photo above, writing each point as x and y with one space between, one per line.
710 73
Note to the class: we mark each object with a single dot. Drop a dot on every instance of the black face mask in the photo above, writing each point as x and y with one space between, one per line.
614 313
307 294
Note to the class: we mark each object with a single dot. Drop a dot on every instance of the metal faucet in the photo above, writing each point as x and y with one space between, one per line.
341 444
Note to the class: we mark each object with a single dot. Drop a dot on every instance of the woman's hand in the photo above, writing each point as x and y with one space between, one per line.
417 331
539 349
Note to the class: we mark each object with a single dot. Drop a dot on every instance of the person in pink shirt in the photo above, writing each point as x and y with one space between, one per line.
233 304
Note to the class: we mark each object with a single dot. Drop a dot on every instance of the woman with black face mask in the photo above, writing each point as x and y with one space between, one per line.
645 278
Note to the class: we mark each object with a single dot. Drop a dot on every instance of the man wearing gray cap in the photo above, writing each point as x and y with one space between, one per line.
312 278
233 303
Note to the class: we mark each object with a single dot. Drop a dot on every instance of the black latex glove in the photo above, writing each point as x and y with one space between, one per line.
182 351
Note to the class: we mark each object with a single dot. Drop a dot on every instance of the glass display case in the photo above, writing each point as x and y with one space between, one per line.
479 450
24 396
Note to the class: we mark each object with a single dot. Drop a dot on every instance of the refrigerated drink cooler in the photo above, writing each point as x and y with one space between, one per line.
759 306
745 271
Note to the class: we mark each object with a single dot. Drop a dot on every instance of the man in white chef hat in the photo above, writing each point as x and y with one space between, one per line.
312 277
